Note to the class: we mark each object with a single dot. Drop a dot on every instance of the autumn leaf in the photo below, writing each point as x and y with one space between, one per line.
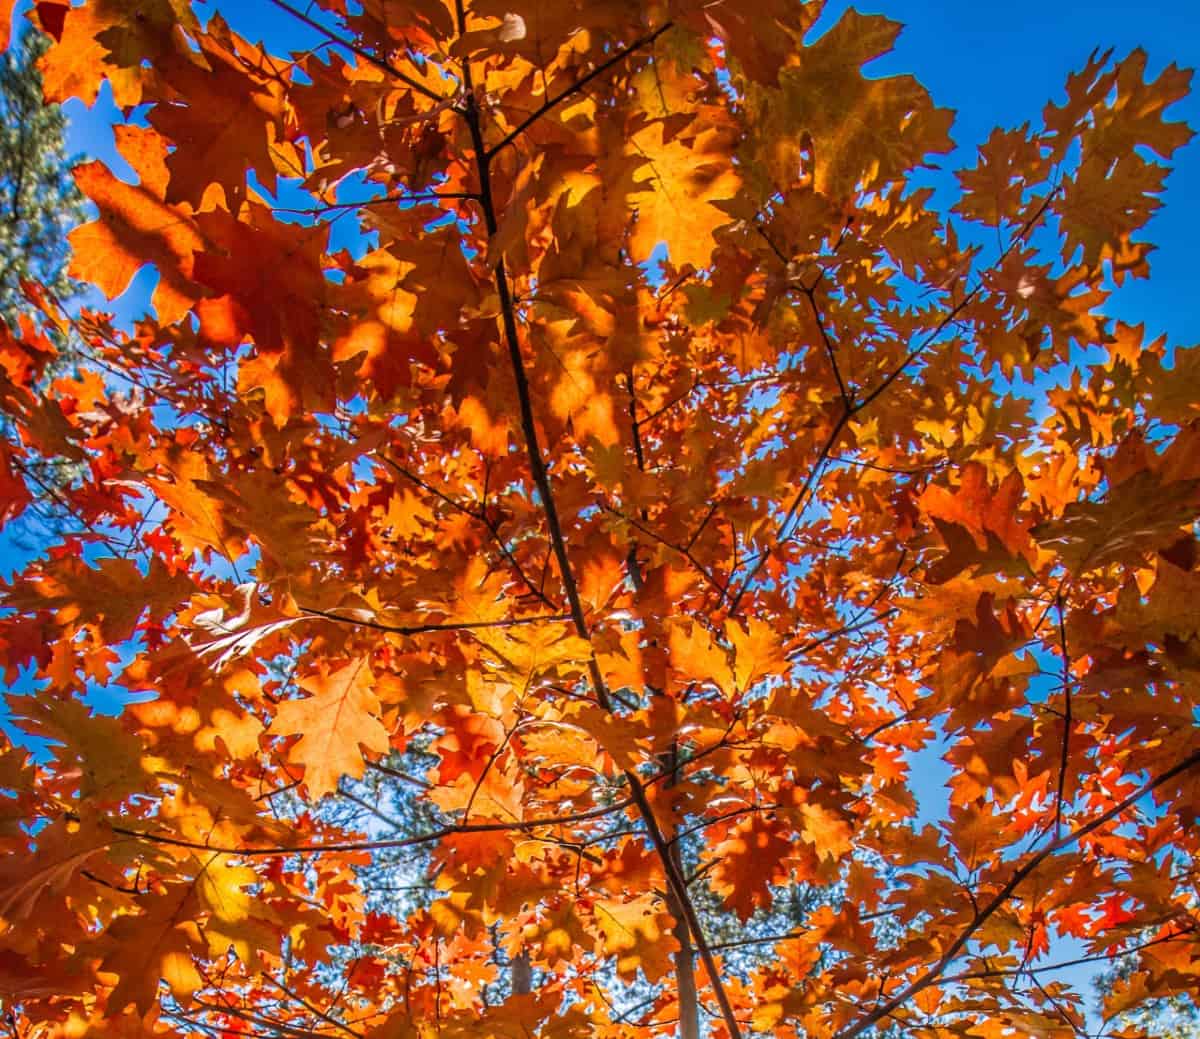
823 98
752 858
341 716
157 943
62 851
135 227
223 634
1138 514
991 518
638 933
678 186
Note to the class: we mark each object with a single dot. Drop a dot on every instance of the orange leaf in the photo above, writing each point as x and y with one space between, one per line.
340 717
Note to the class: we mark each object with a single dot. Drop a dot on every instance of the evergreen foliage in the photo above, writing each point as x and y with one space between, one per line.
39 202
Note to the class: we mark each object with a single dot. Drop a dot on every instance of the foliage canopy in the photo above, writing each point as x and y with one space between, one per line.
659 469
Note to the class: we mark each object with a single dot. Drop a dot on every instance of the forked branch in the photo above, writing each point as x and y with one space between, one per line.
985 912
541 479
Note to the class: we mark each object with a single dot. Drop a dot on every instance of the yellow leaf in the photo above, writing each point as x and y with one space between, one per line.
758 651
680 182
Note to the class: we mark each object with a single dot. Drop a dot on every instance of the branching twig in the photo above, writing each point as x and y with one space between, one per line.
366 55
519 826
984 913
550 510
425 629
572 90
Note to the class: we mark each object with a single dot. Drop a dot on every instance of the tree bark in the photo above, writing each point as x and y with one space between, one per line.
685 956
522 974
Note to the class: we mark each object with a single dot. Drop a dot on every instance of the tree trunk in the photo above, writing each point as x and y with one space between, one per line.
522 974
685 957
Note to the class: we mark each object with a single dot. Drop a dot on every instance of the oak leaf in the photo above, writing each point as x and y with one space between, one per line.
682 180
135 227
340 717
159 942
638 932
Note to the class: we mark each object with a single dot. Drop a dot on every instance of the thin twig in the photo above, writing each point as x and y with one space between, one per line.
399 196
480 516
572 90
425 629
983 914
366 55
519 826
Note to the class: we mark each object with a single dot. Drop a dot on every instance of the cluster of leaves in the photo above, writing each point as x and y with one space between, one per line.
658 472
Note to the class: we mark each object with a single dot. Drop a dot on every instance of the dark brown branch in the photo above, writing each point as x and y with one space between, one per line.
958 308
371 809
685 956
279 1027
395 773
218 1032
572 90
846 629
841 460
859 620
541 481
733 813
659 539
328 1018
522 826
481 517
811 295
798 502
366 55
1049 968
425 629
982 915
425 196
850 410
1072 1022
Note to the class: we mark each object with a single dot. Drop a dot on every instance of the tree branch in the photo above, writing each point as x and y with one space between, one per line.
573 89
425 629
542 483
521 826
366 55
982 915
479 516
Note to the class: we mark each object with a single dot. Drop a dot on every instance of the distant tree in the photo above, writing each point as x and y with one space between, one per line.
1172 1016
39 202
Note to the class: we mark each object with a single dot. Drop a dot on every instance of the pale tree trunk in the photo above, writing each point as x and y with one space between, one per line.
521 974
685 972
685 957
